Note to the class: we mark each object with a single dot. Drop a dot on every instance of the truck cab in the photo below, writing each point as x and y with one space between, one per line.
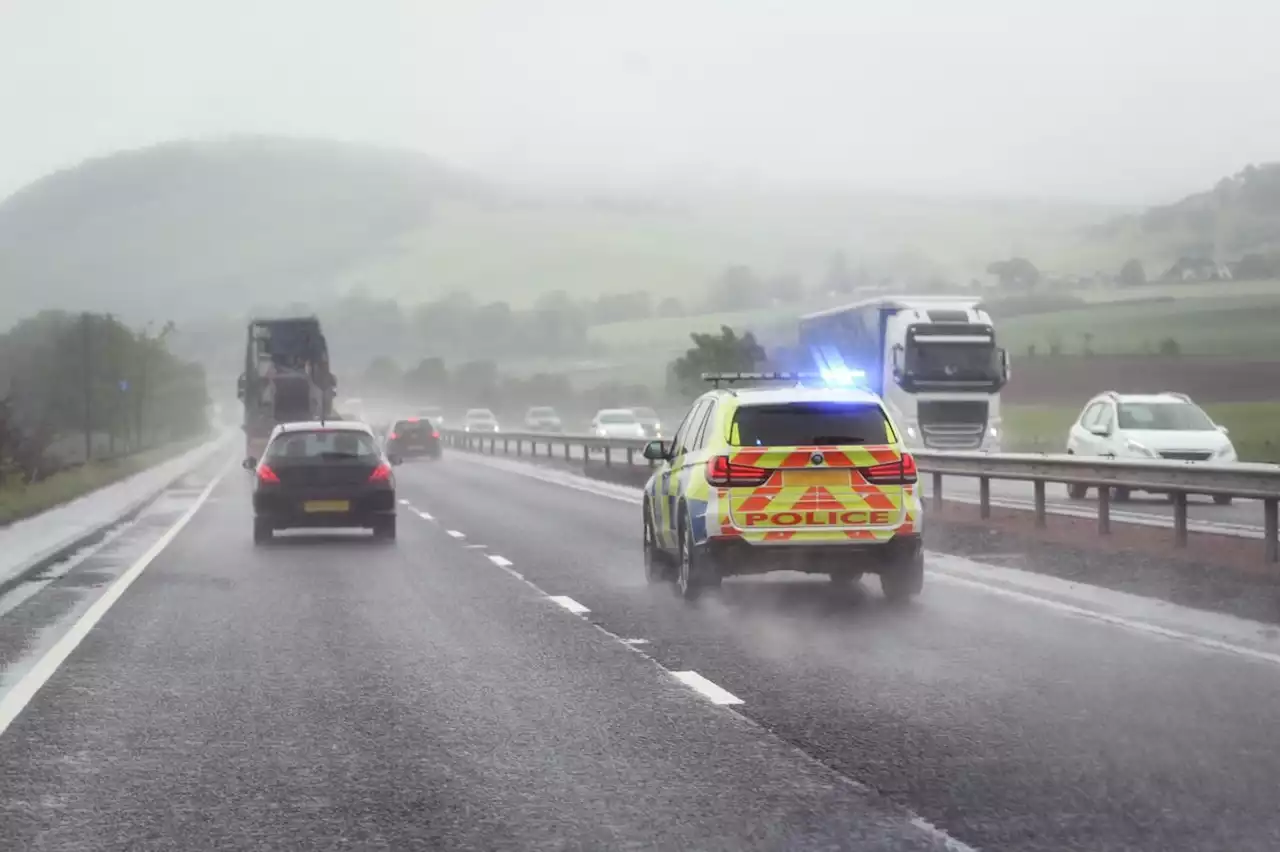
933 360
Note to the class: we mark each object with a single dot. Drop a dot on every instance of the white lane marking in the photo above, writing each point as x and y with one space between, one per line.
500 561
404 502
457 534
1134 612
19 696
634 641
569 604
1116 620
949 843
425 516
474 546
712 692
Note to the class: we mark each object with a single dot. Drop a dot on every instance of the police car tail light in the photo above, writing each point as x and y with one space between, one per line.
721 472
901 472
381 473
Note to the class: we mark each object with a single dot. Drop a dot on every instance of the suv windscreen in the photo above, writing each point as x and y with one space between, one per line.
617 417
542 413
1174 416
322 445
808 424
645 415
479 415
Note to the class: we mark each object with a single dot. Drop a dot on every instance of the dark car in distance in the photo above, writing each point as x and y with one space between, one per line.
323 475
413 437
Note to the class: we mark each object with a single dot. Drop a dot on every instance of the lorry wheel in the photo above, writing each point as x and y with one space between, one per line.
262 531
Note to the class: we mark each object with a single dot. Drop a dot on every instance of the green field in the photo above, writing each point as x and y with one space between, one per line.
1242 322
1254 428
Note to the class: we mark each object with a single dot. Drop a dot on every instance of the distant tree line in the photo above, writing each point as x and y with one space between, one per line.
479 383
77 383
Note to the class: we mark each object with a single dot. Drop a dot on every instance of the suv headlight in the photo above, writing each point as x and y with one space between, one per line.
1225 453
1139 449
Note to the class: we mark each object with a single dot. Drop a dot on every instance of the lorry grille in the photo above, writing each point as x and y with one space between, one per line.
952 424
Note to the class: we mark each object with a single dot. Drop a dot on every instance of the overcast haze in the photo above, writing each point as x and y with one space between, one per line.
1125 101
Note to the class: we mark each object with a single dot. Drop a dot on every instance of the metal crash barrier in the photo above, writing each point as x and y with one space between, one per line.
1178 479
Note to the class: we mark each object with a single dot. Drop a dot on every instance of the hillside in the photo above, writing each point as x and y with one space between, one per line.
1237 217
187 228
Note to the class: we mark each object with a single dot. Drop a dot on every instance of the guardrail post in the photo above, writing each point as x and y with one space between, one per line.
519 447
937 492
493 446
550 447
984 497
1104 509
566 451
1041 521
1180 518
586 457
1271 529
631 457
608 456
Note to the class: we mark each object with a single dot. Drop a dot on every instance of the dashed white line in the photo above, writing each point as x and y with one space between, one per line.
457 534
500 561
474 546
634 641
713 693
404 502
426 516
569 604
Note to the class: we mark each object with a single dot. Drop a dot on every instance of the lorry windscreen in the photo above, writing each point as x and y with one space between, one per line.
935 361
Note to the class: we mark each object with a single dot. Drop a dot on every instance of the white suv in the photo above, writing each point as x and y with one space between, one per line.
1147 426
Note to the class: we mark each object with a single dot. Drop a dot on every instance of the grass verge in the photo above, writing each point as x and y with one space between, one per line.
1254 428
18 501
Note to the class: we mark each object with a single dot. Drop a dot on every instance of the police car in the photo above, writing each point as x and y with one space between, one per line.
800 476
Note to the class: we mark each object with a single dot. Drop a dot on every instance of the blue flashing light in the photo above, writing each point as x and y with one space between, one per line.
843 377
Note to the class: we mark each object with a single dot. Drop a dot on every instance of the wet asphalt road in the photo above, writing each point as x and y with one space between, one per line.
330 693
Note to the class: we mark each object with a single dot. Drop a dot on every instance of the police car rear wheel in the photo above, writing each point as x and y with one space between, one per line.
689 580
903 580
657 565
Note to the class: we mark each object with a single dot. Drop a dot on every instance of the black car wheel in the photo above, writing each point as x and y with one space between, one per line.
657 565
384 529
263 532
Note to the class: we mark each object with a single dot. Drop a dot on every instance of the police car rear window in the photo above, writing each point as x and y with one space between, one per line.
807 424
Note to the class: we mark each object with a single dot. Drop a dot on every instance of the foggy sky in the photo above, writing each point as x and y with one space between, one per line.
1127 100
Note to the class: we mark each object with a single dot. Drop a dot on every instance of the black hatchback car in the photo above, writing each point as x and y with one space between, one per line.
323 475
413 437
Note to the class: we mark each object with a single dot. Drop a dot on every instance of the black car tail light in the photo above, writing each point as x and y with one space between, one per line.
381 473
267 476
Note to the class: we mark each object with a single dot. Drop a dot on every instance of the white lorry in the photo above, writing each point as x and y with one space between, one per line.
932 359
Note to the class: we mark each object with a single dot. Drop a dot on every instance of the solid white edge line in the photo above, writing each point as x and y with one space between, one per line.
569 604
19 696
457 534
709 690
500 561
1115 620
